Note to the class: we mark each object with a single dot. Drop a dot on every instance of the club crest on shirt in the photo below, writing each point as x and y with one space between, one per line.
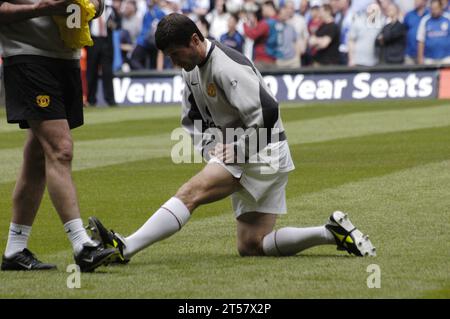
43 100
211 90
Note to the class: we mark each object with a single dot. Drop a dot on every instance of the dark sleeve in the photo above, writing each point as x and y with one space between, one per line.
335 31
394 33
330 30
118 20
321 31
377 40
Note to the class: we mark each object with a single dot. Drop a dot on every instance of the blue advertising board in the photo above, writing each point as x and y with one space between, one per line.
293 87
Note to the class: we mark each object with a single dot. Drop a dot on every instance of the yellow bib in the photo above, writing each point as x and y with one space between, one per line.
76 38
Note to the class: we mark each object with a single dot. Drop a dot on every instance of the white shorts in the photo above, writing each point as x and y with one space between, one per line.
263 190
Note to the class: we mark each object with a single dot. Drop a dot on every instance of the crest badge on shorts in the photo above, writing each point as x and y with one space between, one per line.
43 100
211 90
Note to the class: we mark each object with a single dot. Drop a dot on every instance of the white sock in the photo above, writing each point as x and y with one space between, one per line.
290 240
17 239
165 222
77 234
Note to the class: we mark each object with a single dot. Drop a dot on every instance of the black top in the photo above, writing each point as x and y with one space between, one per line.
330 54
393 44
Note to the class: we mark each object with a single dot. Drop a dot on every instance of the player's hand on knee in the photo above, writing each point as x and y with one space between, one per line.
225 152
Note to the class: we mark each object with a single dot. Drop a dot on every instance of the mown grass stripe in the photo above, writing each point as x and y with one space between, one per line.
97 153
114 115
111 123
359 124
97 119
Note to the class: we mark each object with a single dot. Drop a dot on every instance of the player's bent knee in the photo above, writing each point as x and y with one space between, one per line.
250 247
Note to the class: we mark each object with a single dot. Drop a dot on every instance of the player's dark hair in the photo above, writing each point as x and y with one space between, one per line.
175 30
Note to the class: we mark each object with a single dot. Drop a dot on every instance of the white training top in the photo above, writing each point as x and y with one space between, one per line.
226 91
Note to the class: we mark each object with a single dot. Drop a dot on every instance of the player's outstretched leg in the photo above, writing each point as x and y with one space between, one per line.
338 230
166 221
211 184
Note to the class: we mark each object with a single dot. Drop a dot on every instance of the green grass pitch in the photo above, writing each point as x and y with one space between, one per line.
385 163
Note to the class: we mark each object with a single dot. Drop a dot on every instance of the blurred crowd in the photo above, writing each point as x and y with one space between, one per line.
274 34
286 33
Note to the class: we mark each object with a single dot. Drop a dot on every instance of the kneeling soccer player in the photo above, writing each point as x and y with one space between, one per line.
225 91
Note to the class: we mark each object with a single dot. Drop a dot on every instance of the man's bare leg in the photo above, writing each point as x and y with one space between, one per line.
53 165
56 141
30 185
211 184
27 195
256 236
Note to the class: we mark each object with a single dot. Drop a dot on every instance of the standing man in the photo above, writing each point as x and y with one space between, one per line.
361 39
326 40
411 22
233 38
43 95
131 19
218 19
299 23
433 36
225 96
343 17
261 27
289 45
101 54
392 39
145 53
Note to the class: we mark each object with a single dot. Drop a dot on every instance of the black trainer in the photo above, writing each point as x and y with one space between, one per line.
92 257
109 239
25 260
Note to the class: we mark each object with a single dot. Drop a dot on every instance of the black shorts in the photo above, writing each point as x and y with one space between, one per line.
41 88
